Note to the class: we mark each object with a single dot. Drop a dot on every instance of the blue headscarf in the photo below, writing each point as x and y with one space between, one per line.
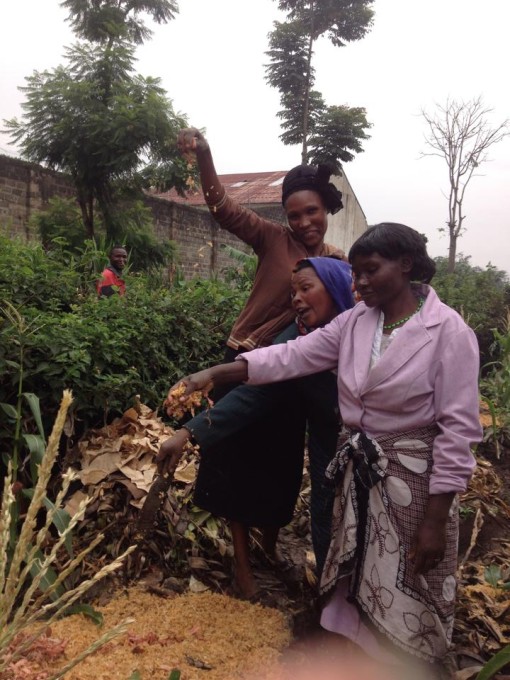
337 279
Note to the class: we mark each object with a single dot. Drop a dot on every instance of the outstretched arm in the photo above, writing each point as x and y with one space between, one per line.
240 408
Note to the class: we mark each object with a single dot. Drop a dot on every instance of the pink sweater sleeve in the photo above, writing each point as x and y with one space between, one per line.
312 353
456 406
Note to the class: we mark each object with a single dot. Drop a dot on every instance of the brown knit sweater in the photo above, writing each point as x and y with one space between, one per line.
268 309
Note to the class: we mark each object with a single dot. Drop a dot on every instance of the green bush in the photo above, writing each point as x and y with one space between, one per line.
33 277
61 224
481 296
105 350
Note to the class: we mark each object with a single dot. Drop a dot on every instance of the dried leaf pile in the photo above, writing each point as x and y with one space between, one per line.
201 635
123 453
116 468
482 625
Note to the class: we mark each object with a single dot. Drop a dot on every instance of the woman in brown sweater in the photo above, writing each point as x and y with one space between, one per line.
307 198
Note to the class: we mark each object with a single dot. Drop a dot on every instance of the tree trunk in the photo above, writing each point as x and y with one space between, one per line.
87 213
306 103
452 252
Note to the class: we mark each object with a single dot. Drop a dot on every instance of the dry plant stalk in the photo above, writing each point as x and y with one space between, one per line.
35 610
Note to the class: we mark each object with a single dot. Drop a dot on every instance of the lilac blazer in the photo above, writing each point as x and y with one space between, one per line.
428 374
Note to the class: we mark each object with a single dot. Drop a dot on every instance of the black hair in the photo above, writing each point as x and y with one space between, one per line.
117 246
392 240
302 264
313 178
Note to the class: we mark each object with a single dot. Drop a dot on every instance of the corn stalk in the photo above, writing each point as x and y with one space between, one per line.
25 605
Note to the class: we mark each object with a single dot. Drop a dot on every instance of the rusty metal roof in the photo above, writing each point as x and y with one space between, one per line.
245 188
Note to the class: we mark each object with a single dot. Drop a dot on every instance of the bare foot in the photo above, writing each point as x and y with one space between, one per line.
244 585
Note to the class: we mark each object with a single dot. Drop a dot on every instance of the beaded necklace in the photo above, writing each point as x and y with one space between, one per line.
389 326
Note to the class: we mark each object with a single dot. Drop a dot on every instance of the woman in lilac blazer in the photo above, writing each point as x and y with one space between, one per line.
407 368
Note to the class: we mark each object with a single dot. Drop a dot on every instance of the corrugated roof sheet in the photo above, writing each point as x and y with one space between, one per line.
246 188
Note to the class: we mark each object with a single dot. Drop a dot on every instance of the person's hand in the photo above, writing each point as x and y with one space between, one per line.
429 545
198 382
189 141
170 452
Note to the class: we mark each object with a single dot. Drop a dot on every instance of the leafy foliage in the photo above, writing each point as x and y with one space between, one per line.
112 20
107 350
480 295
242 275
96 120
288 53
110 129
342 21
60 226
496 388
306 119
32 277
338 134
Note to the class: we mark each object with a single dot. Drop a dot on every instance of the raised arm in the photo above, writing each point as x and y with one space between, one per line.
193 145
244 223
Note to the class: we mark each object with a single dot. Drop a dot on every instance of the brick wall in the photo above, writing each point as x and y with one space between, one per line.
25 188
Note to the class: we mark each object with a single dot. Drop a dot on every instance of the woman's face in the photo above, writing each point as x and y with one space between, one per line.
307 217
310 298
380 281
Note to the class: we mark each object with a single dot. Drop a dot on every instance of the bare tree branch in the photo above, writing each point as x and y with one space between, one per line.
460 133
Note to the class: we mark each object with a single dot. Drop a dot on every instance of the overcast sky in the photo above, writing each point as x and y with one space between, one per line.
211 63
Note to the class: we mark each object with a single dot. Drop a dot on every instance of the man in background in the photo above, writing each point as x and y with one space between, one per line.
111 281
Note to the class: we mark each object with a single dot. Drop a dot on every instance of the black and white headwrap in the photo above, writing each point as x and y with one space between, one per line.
314 178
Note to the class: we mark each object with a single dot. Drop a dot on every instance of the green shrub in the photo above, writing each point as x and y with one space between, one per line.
480 295
61 224
33 277
106 350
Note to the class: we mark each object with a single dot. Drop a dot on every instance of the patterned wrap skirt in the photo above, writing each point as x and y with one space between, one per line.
380 501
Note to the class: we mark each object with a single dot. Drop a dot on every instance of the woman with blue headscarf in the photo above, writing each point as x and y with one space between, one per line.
252 449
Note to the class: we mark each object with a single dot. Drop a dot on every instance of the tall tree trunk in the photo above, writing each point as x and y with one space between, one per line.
452 249
306 103
86 204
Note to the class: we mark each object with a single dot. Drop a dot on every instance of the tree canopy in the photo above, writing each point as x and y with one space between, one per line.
304 114
112 130
107 21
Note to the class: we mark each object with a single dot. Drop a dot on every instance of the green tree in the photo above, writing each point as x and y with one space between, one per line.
338 134
107 21
460 133
305 116
95 119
